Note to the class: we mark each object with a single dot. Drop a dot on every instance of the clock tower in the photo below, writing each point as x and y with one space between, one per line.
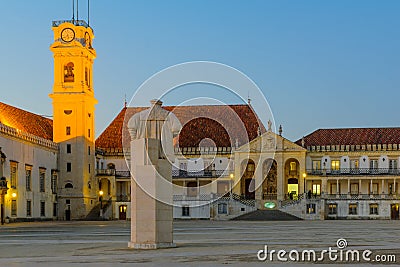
74 117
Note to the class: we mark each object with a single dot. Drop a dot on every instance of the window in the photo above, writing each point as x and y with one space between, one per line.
68 130
54 209
68 201
354 188
392 189
13 207
14 174
185 211
316 165
42 208
374 188
88 132
335 165
88 150
373 209
354 164
316 189
373 164
332 209
310 208
69 185
69 72
68 148
28 208
392 164
54 182
352 209
89 168
28 178
42 179
222 208
293 166
68 166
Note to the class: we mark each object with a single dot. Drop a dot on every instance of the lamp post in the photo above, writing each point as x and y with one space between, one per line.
101 202
304 183
3 192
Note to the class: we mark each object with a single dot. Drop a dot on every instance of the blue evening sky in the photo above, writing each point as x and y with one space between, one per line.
320 64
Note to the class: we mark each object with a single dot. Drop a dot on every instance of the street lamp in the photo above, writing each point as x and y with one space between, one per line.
304 181
3 192
101 202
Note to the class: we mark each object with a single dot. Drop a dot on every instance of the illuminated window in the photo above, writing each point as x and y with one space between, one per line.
332 209
335 165
352 209
311 208
293 166
373 209
316 189
354 164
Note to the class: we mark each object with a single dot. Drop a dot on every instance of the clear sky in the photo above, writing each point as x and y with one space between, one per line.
320 64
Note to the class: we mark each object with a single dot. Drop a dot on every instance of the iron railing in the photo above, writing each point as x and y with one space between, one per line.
83 23
204 174
105 172
354 171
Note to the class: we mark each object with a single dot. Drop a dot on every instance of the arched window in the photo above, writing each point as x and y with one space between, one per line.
69 73
69 185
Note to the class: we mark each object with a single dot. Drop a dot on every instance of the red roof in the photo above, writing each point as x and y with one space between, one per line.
352 136
223 124
26 121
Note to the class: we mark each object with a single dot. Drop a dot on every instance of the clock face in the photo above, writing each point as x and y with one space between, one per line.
67 35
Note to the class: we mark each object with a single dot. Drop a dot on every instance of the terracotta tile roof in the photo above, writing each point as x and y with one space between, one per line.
215 122
352 136
26 121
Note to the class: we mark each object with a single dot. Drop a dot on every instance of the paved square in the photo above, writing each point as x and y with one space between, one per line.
200 243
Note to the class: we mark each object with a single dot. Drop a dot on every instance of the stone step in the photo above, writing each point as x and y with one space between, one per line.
267 215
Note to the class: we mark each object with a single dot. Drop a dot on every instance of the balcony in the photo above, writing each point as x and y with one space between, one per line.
200 174
105 172
75 22
354 172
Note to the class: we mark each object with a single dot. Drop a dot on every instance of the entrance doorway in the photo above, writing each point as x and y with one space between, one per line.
250 188
68 215
394 215
122 212
293 188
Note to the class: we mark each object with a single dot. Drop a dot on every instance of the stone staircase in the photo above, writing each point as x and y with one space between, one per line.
94 214
267 215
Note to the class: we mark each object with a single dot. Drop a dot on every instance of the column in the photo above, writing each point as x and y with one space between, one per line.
348 186
394 186
383 186
337 187
370 188
359 186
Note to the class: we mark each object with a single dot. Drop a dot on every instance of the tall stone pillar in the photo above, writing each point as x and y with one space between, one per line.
151 184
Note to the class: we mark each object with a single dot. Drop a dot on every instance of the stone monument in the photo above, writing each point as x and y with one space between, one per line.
152 154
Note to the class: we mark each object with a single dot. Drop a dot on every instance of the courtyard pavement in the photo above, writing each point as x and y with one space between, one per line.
199 243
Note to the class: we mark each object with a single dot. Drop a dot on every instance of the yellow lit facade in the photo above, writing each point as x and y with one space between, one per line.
74 117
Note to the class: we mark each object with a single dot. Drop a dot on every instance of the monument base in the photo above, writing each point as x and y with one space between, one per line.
151 245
